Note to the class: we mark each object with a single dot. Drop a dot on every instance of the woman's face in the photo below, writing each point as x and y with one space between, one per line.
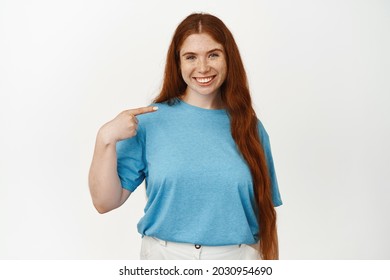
203 65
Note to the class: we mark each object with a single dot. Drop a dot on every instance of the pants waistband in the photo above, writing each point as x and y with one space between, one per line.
157 249
196 246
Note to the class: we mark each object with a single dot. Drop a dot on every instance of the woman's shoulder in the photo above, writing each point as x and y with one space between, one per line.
164 109
264 137
261 127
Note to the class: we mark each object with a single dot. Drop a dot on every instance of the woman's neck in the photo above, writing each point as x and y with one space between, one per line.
209 101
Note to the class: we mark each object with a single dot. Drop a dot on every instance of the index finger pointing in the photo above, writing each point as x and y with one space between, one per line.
143 110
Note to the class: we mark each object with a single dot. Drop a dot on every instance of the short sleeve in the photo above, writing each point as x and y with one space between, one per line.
264 138
131 162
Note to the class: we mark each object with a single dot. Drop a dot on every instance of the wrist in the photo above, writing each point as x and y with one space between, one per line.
105 136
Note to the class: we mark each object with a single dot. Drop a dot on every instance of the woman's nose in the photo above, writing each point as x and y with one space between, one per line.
203 66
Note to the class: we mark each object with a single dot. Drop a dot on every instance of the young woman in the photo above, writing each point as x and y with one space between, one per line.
204 155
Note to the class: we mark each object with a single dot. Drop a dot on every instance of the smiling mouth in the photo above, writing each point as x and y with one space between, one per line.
204 80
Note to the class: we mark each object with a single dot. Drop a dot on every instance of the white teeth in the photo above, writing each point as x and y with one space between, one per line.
204 80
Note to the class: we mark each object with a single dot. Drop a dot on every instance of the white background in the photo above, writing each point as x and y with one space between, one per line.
319 75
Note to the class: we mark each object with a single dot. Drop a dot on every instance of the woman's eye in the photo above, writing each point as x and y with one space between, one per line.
212 55
190 57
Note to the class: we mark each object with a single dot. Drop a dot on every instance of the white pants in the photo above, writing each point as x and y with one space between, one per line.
156 249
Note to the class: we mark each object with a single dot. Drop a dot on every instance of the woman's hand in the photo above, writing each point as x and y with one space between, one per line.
123 126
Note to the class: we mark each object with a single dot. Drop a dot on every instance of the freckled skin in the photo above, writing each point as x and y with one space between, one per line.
203 68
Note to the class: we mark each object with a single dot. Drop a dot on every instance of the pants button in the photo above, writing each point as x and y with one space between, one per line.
197 246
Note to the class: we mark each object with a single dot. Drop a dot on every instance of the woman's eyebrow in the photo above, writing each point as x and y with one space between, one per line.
215 50
210 51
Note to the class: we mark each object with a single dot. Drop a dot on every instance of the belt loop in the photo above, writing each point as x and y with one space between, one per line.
163 242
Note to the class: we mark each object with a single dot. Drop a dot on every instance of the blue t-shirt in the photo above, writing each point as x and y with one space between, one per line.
199 187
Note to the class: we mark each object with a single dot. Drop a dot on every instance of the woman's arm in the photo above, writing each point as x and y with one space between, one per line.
104 183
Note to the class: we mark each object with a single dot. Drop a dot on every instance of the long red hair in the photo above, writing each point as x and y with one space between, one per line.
237 101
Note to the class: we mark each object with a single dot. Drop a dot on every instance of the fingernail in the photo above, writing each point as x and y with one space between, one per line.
155 108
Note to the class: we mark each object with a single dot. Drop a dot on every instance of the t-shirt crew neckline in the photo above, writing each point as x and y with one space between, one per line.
200 109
